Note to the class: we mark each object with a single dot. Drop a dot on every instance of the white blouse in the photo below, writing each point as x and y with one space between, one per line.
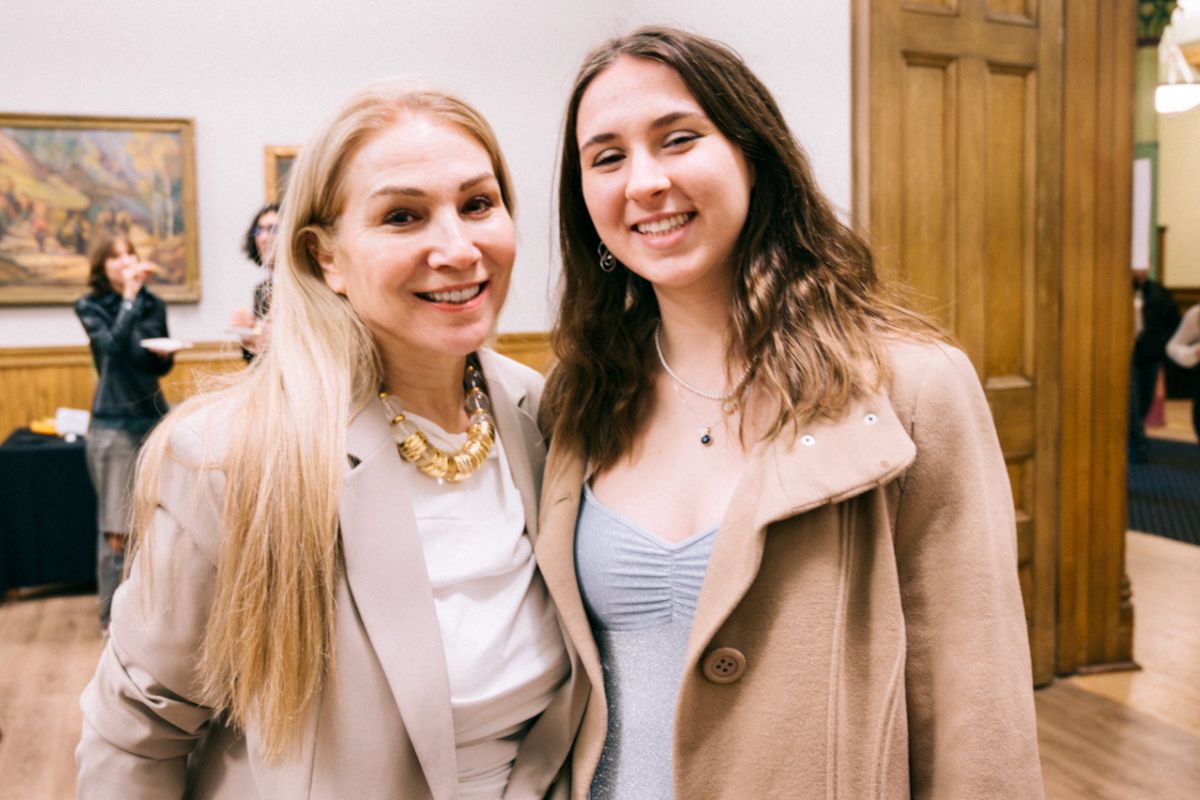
504 649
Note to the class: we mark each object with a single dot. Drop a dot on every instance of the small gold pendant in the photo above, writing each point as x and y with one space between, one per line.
706 437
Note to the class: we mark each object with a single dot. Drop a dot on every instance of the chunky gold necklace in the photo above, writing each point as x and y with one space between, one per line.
416 448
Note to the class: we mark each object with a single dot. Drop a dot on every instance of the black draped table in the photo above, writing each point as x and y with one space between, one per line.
47 512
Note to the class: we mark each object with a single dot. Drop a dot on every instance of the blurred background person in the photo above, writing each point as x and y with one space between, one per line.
1155 317
1184 350
118 314
251 326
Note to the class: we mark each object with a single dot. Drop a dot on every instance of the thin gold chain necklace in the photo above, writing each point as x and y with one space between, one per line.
728 409
414 446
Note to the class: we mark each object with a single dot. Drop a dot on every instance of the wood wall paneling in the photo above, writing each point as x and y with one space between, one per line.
1009 261
926 248
962 206
1047 248
35 381
1020 12
1095 615
1185 297
531 349
931 6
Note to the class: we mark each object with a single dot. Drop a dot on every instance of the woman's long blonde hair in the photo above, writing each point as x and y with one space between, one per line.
268 641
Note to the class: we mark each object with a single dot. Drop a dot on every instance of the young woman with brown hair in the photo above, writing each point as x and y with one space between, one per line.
776 520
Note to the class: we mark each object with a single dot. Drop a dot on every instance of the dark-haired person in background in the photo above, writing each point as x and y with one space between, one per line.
1155 318
257 245
118 314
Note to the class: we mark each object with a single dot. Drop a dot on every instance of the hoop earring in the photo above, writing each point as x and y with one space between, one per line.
608 262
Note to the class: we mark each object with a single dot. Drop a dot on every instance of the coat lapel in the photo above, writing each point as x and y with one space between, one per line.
388 578
827 462
556 552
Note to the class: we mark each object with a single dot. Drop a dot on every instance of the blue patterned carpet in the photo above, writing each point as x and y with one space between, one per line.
1164 492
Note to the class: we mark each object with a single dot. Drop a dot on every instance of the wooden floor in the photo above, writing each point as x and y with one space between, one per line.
1177 422
48 651
1119 736
1137 734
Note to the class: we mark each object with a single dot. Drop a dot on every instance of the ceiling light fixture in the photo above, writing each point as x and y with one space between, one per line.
1179 91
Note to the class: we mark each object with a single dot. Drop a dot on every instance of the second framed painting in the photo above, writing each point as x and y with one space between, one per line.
277 162
63 180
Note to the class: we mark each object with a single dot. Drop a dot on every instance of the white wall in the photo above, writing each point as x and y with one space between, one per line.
258 72
1178 209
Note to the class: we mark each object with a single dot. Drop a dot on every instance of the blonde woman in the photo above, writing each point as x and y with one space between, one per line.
776 519
333 591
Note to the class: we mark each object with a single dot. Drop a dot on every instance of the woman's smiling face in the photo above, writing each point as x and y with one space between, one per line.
667 192
424 246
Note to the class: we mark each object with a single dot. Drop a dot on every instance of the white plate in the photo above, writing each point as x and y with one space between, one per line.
165 344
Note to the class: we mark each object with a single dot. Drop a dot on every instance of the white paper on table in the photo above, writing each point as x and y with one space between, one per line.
71 422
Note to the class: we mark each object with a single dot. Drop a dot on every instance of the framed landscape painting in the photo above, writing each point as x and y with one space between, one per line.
63 180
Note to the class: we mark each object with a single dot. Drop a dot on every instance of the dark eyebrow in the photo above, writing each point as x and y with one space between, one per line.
660 122
412 191
673 117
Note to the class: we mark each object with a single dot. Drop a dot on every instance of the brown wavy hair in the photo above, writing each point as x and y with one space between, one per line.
808 310
249 242
102 248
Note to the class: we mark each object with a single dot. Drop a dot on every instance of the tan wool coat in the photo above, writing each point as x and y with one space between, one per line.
382 726
860 631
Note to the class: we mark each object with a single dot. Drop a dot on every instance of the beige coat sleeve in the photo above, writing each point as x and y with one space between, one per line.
969 682
140 721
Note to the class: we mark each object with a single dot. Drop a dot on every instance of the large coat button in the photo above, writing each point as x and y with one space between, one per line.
724 665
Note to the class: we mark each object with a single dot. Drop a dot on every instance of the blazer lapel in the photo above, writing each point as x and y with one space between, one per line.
518 433
827 462
388 578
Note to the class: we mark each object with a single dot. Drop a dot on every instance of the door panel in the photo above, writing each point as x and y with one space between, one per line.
927 165
956 206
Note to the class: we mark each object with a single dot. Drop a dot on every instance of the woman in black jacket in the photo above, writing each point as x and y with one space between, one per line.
118 314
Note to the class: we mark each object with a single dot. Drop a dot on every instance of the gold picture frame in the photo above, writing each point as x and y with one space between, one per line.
64 179
277 161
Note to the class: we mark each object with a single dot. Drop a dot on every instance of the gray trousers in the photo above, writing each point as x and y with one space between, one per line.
111 456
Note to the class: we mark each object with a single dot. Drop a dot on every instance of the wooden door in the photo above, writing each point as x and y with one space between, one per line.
958 185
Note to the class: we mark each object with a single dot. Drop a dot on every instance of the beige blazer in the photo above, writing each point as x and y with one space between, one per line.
382 725
860 631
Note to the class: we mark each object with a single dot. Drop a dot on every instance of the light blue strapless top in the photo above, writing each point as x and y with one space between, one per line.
640 592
